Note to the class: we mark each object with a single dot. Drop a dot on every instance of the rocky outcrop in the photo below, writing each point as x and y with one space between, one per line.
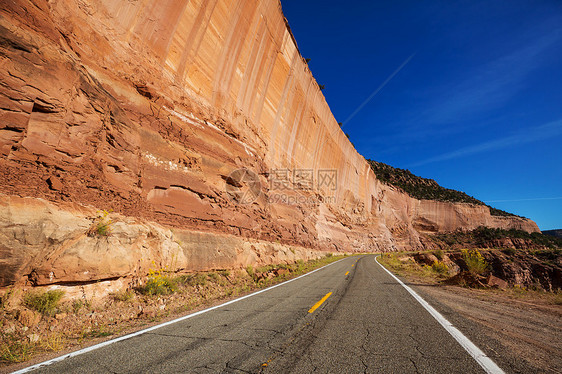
505 268
42 244
485 237
146 108
535 271
438 216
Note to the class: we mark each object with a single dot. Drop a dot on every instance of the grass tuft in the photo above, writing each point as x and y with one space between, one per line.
13 349
250 270
123 295
45 303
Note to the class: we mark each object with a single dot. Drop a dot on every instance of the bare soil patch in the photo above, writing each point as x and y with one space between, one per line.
527 323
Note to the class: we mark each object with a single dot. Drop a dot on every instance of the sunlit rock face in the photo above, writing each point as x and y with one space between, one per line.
146 107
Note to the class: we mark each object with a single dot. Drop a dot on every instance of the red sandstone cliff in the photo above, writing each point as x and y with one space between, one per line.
146 108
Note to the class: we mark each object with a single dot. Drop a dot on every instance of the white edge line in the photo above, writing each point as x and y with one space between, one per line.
487 364
132 335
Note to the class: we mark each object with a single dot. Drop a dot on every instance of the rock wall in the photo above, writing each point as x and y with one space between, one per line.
58 244
146 107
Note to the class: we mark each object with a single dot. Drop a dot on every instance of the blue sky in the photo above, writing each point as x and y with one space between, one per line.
468 93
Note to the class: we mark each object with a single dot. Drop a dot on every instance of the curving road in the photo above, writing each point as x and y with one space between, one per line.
349 317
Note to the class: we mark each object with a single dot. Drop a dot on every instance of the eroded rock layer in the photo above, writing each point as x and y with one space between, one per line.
145 108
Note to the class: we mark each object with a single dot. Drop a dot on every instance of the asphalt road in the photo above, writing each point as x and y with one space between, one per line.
368 324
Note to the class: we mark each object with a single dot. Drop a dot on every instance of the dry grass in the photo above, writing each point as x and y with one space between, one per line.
163 296
13 349
123 295
404 265
558 298
45 303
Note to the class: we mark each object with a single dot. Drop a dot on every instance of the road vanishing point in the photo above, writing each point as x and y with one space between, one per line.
351 316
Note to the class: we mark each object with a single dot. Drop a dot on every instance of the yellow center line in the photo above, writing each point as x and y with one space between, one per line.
347 273
317 305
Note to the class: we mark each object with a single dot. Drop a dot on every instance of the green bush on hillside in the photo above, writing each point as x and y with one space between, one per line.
483 236
424 188
475 261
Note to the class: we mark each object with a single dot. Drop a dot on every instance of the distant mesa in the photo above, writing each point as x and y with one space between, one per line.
426 189
557 233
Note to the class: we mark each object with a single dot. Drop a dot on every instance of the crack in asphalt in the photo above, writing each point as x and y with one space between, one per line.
365 350
228 366
306 335
365 366
219 339
415 366
384 331
416 342
206 367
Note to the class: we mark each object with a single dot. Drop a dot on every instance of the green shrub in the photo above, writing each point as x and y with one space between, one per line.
44 302
475 262
439 267
103 229
103 225
439 254
98 332
161 285
265 269
250 270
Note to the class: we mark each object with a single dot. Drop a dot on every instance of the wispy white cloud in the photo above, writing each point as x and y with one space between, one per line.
531 135
491 84
463 105
517 200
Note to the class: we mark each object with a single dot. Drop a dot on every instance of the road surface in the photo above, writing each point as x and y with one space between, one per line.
349 317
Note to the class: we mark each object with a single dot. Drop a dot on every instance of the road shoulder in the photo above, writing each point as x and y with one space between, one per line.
520 336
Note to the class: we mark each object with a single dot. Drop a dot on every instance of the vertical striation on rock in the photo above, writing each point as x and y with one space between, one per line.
147 107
